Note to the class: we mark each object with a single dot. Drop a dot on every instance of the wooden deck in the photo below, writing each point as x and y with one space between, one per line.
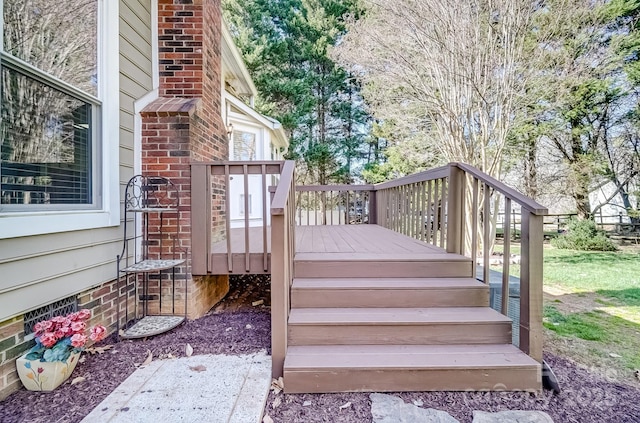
357 242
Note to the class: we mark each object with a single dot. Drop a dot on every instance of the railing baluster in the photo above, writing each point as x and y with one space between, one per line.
227 218
443 213
331 209
429 221
474 231
506 255
486 222
265 218
436 211
247 247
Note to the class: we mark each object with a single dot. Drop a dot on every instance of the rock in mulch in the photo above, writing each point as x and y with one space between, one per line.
511 417
390 409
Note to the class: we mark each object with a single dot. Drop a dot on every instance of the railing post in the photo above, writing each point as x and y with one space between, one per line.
531 285
455 214
279 293
282 253
200 218
373 207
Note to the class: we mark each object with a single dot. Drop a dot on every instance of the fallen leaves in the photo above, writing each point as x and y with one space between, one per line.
257 303
188 350
199 368
345 405
148 360
277 385
98 350
78 380
267 419
276 402
614 355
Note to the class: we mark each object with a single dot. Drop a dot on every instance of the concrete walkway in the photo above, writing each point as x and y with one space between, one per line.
202 388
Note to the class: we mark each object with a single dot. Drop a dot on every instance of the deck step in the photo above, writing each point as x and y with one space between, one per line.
388 292
408 326
380 265
391 368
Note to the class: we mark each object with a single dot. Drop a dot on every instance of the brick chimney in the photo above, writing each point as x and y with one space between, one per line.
185 124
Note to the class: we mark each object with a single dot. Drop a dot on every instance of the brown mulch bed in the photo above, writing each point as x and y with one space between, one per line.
586 396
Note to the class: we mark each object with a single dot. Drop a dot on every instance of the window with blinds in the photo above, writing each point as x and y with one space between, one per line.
48 105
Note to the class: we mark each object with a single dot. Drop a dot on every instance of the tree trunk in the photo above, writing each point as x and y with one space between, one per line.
583 206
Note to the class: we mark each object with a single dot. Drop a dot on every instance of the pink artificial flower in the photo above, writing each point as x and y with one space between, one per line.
84 314
59 320
39 328
42 327
48 339
78 327
74 317
98 333
59 334
78 340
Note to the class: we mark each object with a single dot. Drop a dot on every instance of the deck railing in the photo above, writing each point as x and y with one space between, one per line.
455 207
335 204
211 206
473 206
415 205
283 226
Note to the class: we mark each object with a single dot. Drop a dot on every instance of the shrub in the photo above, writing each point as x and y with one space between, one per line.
583 235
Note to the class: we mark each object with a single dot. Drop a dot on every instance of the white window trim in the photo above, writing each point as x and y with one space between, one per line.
27 223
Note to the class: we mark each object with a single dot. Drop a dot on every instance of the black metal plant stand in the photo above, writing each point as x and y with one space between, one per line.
149 259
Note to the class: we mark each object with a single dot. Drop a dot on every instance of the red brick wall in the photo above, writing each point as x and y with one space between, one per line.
101 300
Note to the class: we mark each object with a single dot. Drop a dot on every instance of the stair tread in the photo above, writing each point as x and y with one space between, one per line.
325 357
382 256
372 316
386 283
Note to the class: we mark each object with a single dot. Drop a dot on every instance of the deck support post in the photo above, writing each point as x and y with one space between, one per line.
455 212
531 285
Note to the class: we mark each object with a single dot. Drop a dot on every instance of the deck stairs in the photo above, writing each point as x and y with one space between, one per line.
398 322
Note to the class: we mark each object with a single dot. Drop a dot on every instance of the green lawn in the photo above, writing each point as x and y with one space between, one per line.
592 301
613 275
597 302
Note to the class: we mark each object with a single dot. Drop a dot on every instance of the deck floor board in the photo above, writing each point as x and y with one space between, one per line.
366 241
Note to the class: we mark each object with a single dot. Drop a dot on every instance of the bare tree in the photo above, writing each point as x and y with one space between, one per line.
452 68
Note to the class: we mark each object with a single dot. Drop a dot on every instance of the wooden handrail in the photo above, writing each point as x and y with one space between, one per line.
281 196
524 201
427 175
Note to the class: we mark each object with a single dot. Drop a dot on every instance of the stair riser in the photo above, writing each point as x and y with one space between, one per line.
319 298
393 334
382 269
398 380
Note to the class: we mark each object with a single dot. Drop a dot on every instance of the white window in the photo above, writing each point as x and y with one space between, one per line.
58 129
244 145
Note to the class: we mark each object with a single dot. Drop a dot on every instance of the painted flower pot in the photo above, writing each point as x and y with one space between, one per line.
45 376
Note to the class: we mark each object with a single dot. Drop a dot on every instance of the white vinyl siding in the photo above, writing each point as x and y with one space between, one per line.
38 270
